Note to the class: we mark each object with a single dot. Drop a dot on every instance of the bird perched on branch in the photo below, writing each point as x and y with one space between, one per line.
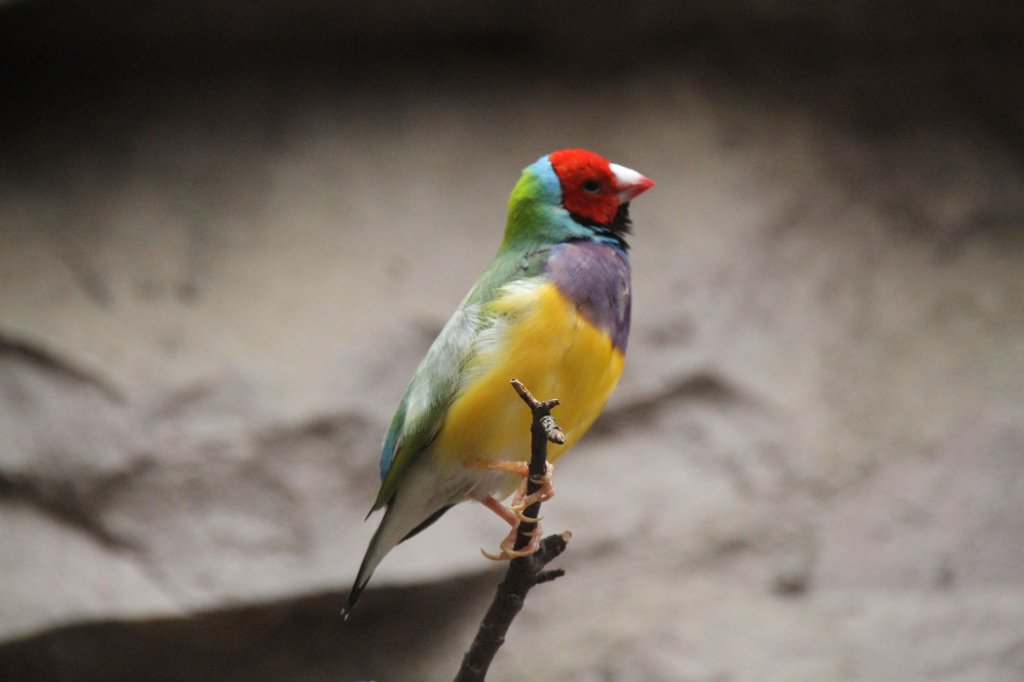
552 309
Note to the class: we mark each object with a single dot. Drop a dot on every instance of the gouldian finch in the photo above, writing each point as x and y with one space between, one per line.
552 310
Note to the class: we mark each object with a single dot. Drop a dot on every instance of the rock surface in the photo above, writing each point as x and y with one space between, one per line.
215 285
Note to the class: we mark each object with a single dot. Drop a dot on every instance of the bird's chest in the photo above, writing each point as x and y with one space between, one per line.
545 338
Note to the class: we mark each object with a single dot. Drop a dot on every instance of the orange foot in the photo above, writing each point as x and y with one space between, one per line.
520 502
546 491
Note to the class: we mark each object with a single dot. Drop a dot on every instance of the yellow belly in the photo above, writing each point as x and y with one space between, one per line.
542 340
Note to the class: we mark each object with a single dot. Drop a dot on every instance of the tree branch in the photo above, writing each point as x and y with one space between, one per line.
523 572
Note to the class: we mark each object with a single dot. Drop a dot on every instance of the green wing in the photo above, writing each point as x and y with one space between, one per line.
436 382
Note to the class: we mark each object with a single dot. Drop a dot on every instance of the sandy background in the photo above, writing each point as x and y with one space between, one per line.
228 234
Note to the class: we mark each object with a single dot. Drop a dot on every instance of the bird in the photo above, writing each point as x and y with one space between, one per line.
552 310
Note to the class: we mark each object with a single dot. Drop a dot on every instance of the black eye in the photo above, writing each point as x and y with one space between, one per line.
591 186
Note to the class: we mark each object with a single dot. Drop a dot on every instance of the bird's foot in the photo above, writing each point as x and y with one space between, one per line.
507 547
522 500
514 517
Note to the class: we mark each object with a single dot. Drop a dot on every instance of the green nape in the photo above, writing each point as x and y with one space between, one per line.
535 213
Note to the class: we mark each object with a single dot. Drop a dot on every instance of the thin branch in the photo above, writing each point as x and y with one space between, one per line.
523 572
542 430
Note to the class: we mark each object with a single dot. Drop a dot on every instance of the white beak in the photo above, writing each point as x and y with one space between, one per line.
630 183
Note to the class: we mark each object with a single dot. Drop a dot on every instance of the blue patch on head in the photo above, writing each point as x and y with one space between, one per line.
539 195
549 186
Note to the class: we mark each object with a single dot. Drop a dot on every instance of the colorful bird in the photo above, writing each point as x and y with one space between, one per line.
552 309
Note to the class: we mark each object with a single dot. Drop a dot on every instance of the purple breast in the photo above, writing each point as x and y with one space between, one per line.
595 277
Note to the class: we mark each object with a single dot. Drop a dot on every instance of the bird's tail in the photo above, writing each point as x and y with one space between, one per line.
399 523
389 533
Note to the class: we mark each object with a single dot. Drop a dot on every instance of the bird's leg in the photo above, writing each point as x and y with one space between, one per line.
546 491
501 510
520 501
507 545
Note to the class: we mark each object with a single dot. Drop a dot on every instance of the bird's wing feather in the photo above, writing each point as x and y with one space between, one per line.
437 380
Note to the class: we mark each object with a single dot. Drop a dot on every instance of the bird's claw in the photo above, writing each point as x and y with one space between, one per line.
507 546
520 503
522 500
523 518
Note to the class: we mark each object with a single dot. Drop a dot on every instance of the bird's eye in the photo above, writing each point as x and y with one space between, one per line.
591 186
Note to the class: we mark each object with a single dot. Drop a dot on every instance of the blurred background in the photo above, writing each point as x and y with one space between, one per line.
229 231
